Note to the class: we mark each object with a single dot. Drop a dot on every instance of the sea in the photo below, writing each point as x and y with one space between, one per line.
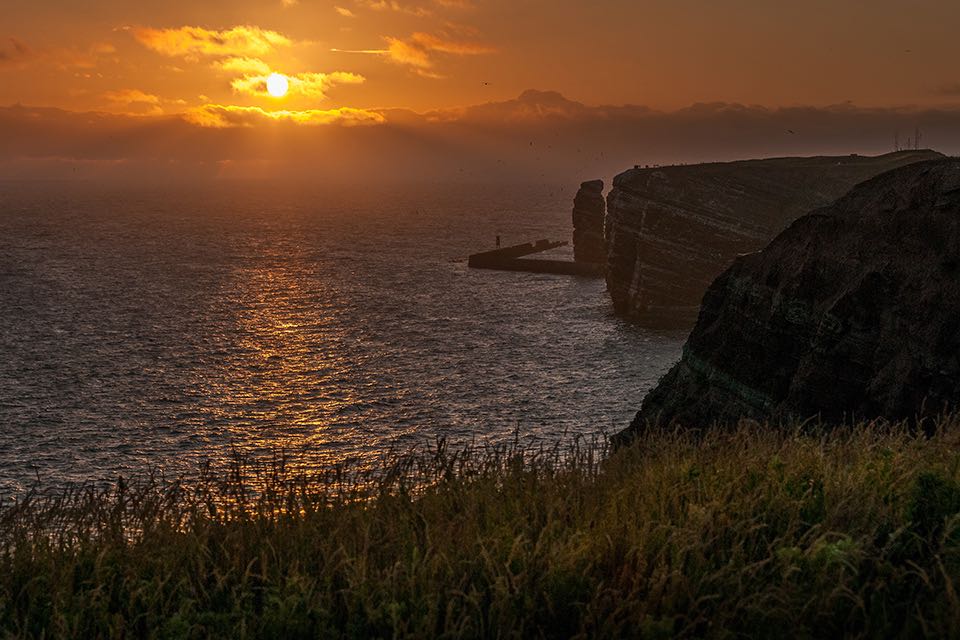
167 328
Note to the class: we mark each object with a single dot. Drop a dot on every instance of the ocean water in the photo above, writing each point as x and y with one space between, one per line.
161 328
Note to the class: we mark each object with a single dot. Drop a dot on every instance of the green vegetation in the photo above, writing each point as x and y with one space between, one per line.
754 531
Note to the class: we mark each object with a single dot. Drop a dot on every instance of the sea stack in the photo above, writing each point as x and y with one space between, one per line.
672 230
589 211
851 313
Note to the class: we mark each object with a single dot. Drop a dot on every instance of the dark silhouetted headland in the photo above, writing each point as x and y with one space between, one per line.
672 230
852 312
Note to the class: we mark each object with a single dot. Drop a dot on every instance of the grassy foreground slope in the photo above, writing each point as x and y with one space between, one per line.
754 531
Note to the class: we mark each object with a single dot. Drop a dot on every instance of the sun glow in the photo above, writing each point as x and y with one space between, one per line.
277 85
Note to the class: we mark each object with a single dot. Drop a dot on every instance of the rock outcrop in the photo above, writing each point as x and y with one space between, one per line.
589 210
672 230
853 312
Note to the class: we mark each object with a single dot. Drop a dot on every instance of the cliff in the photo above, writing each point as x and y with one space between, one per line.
589 210
852 312
672 230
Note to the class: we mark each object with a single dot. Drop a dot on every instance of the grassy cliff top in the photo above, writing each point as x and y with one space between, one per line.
750 532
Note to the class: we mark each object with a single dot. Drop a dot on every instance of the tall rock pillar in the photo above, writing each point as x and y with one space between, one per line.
588 214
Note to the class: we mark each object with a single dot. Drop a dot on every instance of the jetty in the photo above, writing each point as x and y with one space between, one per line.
512 259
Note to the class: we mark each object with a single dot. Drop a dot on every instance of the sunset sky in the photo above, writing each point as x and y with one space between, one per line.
361 62
173 56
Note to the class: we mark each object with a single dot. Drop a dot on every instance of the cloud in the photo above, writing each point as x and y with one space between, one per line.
537 137
419 50
229 116
18 54
248 66
87 58
951 89
533 106
135 101
129 96
308 85
102 49
346 13
394 5
240 41
15 53
416 9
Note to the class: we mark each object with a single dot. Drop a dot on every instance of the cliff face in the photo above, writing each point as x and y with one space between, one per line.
589 210
672 230
852 312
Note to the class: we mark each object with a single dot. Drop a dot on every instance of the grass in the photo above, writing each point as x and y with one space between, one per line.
751 532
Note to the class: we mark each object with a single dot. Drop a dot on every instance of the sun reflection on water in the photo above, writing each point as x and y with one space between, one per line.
148 330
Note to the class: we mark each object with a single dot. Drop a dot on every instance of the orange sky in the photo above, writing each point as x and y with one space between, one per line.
176 56
419 90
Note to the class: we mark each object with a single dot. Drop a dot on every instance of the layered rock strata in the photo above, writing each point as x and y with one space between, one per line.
672 230
851 313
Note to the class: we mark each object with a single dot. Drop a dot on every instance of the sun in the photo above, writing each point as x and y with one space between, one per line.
277 85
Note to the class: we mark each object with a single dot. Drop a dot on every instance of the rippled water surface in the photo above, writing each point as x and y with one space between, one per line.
158 328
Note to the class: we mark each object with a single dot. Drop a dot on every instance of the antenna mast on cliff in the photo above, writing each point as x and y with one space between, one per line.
896 141
916 139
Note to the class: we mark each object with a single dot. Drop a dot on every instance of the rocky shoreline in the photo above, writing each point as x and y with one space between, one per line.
670 231
852 313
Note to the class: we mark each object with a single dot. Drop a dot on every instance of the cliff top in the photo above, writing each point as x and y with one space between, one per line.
853 161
